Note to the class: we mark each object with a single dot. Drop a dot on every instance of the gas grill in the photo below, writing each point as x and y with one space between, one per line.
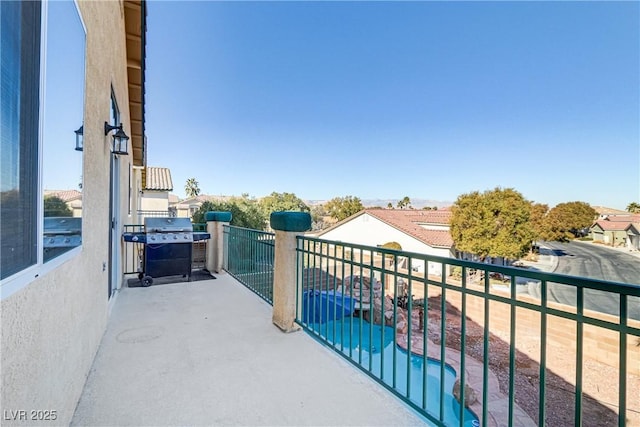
168 244
60 234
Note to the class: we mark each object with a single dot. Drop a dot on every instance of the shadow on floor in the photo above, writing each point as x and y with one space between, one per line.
196 276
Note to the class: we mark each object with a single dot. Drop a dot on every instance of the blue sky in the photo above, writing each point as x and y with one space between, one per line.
390 99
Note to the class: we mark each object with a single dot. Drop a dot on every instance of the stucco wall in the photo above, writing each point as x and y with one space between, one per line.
370 231
51 328
367 230
155 200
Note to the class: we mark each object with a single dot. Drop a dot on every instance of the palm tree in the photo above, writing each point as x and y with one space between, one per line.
404 203
191 187
633 207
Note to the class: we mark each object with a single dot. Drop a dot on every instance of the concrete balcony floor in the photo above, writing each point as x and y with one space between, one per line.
206 353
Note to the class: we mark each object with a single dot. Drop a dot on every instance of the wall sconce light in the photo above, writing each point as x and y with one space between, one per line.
120 139
79 138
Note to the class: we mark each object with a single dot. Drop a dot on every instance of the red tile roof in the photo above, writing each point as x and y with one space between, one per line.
66 195
623 218
438 217
613 225
409 222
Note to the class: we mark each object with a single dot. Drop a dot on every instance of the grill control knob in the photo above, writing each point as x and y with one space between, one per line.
51 240
164 237
153 237
175 237
186 237
67 240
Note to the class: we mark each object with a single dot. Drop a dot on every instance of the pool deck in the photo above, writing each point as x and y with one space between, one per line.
207 353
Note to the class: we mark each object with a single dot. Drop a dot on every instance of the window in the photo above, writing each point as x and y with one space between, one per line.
37 139
63 113
20 47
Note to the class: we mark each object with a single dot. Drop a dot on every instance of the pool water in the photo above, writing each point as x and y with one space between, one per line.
372 347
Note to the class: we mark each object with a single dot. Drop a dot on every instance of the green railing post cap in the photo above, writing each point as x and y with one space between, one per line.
290 221
220 216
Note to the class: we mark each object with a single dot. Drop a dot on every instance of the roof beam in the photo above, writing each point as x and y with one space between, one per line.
136 64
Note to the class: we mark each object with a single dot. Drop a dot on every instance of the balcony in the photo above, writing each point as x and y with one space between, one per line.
207 353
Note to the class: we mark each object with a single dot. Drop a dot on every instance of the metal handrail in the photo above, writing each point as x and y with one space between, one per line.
333 266
249 257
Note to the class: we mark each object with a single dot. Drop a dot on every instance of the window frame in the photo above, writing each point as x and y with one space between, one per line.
21 279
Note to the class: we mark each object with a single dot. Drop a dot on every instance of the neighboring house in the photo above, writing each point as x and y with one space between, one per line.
189 206
603 212
617 230
154 197
73 199
633 233
76 64
420 231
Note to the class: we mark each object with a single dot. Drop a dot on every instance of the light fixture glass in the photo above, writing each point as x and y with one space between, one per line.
120 143
120 139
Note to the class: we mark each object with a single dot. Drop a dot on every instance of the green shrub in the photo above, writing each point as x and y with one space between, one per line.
455 271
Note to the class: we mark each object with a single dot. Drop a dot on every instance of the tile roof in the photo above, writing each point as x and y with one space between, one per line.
612 225
66 195
438 217
158 179
623 218
409 222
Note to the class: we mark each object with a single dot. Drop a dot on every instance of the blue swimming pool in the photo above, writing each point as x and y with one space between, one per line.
372 347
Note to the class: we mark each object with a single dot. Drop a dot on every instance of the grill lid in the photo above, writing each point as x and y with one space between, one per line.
62 225
168 225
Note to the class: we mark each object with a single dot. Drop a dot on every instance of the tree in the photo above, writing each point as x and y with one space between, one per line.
317 217
391 245
494 223
537 219
55 206
340 208
404 203
389 205
278 202
633 207
245 212
191 188
568 220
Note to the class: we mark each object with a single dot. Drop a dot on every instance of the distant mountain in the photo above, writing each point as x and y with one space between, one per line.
415 203
383 203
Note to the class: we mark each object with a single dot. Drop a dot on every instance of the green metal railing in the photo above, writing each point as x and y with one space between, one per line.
199 227
489 318
248 256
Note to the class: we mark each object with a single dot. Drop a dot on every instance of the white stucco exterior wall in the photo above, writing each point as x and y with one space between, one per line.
153 200
52 327
368 230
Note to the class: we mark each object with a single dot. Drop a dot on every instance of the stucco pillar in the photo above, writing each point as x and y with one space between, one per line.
216 220
287 226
